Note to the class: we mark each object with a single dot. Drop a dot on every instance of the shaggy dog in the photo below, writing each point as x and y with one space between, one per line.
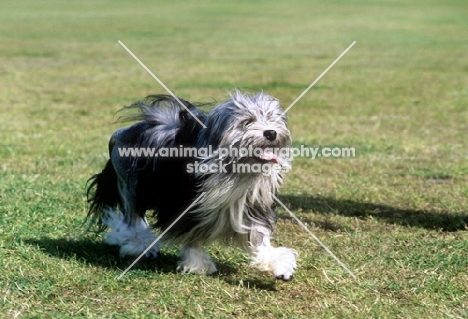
233 166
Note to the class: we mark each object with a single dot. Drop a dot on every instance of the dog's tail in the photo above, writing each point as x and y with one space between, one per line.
102 193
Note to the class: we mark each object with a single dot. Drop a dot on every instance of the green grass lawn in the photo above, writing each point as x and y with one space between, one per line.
396 214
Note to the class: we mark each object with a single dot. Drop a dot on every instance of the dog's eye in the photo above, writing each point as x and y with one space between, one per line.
248 122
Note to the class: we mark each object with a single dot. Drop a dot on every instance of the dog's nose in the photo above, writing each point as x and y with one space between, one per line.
270 134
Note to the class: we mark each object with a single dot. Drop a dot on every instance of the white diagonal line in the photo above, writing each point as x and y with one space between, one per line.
160 236
316 80
315 237
161 83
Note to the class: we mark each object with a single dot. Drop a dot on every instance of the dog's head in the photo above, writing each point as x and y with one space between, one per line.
256 123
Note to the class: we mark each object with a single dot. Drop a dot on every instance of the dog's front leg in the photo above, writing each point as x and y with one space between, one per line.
195 260
279 261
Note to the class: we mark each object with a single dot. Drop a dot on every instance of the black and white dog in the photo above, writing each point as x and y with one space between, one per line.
241 134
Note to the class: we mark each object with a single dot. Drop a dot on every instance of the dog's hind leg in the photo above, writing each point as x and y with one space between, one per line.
132 239
195 260
279 261
126 218
129 229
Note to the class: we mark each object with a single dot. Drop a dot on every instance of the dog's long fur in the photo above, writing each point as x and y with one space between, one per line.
235 206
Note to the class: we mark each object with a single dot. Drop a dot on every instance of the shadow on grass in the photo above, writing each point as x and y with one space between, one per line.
99 254
436 220
263 283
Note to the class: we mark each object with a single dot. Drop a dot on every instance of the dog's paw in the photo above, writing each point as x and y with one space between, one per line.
278 261
195 261
134 250
286 263
207 268
133 241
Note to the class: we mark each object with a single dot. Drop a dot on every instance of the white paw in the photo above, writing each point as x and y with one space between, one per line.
207 268
278 261
195 261
132 240
284 269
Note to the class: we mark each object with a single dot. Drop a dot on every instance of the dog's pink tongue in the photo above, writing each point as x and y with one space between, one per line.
270 156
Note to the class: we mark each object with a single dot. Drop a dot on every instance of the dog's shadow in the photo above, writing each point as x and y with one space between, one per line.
90 251
429 219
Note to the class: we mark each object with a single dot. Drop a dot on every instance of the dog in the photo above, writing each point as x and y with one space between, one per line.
235 206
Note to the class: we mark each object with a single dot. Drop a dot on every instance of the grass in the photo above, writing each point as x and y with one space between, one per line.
396 214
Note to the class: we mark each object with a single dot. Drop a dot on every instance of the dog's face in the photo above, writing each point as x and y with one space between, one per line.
255 122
